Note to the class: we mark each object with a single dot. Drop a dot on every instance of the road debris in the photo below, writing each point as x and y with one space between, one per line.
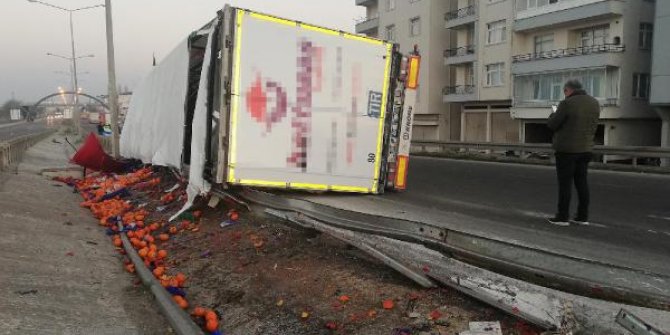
213 273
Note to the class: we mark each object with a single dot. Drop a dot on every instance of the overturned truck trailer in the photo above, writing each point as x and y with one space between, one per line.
253 99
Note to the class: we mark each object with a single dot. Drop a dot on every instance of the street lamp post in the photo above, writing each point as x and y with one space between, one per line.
75 87
74 57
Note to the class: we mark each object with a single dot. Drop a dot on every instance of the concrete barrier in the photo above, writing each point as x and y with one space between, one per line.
12 151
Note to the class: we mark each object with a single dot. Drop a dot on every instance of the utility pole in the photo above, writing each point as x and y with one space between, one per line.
75 113
111 74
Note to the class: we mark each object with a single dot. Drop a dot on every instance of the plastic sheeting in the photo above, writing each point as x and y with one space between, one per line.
197 185
153 131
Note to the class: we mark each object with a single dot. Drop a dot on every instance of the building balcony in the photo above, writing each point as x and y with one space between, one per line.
367 25
570 58
365 3
541 109
566 12
459 93
460 55
460 17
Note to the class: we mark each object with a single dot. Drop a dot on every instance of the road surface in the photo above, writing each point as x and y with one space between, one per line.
11 131
627 209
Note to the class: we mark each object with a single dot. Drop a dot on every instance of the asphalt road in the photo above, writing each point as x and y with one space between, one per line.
627 209
11 131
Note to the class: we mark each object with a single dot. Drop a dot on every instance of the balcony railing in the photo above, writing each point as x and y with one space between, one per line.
458 90
460 51
460 13
530 103
569 52
364 19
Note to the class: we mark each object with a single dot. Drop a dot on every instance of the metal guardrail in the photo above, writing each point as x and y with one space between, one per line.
460 13
627 151
12 151
569 52
460 51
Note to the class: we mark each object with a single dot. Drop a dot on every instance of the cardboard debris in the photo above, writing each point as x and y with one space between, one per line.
483 328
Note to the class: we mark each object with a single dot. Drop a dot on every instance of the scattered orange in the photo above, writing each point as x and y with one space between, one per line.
162 254
212 325
180 301
159 271
163 237
388 304
211 315
199 311
181 278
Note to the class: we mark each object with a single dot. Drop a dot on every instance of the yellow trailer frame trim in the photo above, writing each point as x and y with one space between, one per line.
235 105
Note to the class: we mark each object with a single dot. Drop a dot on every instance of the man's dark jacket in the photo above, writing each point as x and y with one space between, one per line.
574 123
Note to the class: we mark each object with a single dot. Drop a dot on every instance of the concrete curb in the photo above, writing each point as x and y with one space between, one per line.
178 319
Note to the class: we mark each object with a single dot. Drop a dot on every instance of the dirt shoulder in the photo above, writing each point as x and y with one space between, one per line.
261 276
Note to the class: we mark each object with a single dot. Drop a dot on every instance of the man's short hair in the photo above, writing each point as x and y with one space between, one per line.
573 84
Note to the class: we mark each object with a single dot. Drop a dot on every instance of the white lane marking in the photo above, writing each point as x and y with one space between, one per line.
658 217
539 215
652 231
594 224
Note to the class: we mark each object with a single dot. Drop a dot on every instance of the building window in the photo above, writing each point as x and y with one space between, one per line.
646 35
641 85
497 32
390 4
548 87
527 4
594 36
495 74
390 32
415 26
544 43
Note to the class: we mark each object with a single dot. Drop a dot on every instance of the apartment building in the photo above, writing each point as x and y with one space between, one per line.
479 65
607 44
660 70
420 23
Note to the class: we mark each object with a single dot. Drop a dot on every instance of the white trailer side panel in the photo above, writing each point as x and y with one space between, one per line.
308 106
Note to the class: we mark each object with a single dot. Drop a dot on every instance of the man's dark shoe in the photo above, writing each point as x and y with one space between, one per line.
580 221
559 221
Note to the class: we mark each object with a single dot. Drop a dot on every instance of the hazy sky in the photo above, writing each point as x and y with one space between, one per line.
141 27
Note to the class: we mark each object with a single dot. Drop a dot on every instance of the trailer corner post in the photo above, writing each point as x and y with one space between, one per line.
111 74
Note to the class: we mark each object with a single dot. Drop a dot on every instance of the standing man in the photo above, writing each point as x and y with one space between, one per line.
574 124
